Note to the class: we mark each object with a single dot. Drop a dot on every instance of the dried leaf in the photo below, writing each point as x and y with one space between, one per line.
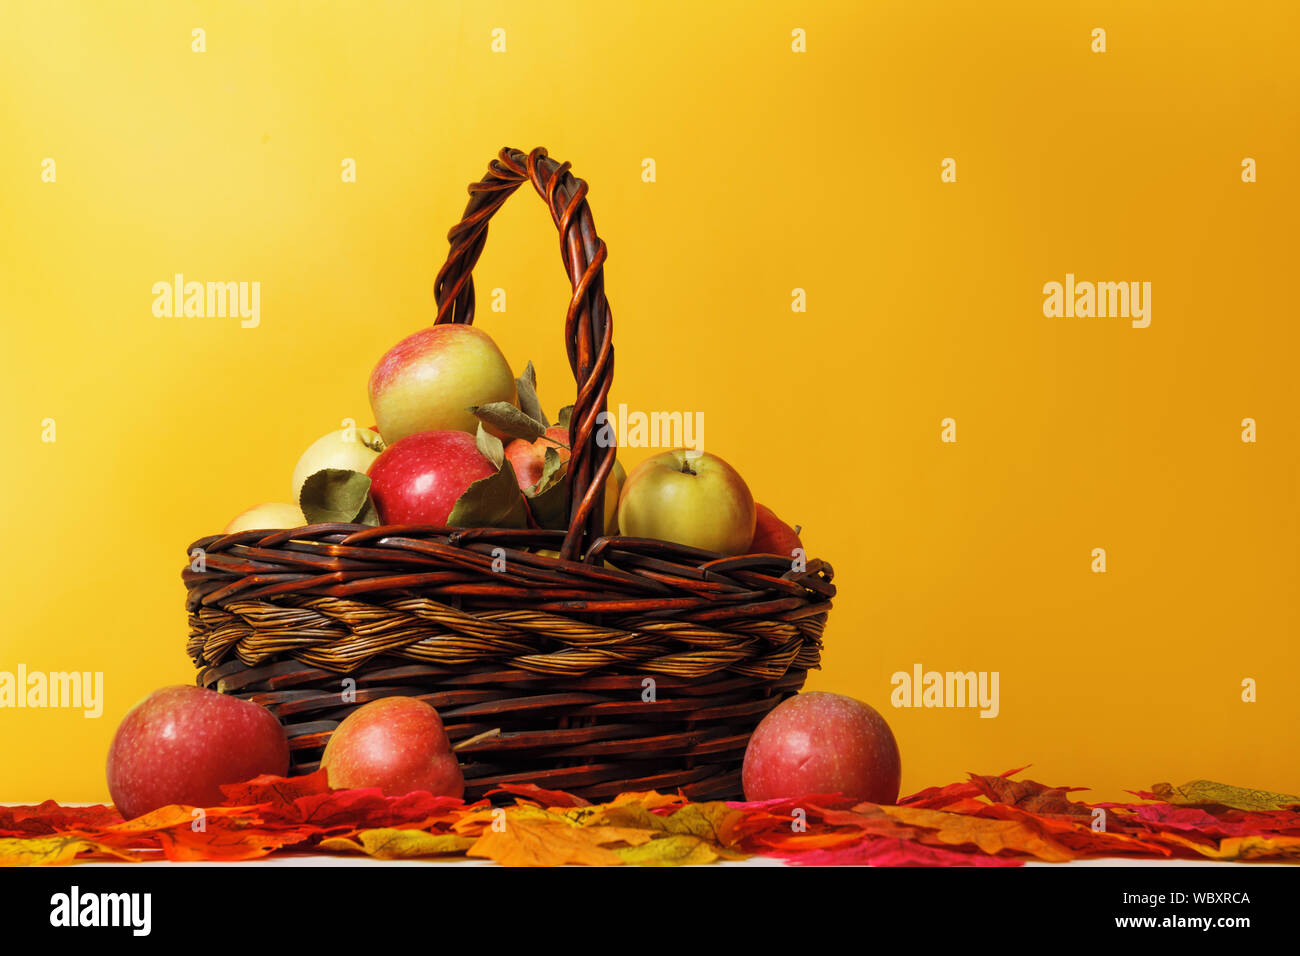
526 387
565 416
676 850
491 502
990 836
1208 793
549 798
489 446
531 842
892 851
390 844
509 420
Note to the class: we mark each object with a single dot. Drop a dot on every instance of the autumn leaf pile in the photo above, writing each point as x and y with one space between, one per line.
983 821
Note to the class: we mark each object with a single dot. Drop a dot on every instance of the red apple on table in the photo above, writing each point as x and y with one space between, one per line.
417 480
772 535
180 743
816 743
397 744
428 381
691 498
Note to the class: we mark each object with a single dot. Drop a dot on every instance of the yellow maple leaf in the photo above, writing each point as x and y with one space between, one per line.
991 836
678 849
1207 792
526 840
386 843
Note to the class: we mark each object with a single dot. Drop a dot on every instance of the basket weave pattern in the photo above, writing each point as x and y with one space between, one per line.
622 664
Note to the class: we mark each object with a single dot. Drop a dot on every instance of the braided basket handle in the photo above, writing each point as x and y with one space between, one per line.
588 326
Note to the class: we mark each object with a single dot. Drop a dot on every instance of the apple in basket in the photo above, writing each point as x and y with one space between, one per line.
691 498
418 480
772 535
528 459
272 516
180 743
397 744
349 449
429 380
817 743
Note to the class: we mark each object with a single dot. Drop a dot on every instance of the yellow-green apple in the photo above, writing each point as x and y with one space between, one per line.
351 449
272 516
181 743
816 743
772 535
690 498
428 381
417 480
397 744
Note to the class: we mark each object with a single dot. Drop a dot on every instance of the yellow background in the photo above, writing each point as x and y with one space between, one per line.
776 170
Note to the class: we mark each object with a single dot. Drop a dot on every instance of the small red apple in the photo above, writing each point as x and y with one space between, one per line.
396 744
418 479
180 743
822 743
772 535
528 457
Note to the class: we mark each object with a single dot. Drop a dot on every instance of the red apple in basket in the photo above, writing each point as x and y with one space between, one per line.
528 457
396 744
691 498
417 480
822 743
772 535
180 743
428 381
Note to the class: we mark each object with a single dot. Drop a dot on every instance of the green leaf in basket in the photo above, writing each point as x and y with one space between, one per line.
506 418
529 404
491 502
548 498
566 413
553 469
337 495
489 446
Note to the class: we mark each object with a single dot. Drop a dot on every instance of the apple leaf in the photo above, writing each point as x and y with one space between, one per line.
566 413
529 404
548 498
489 446
506 418
337 496
491 502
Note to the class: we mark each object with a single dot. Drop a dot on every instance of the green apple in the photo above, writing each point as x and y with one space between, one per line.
352 449
428 381
691 498
272 516
613 489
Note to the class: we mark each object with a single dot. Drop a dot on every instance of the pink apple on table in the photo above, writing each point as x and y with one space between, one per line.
418 479
180 743
429 380
816 743
397 744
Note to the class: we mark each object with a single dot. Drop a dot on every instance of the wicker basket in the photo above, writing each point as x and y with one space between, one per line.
623 664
